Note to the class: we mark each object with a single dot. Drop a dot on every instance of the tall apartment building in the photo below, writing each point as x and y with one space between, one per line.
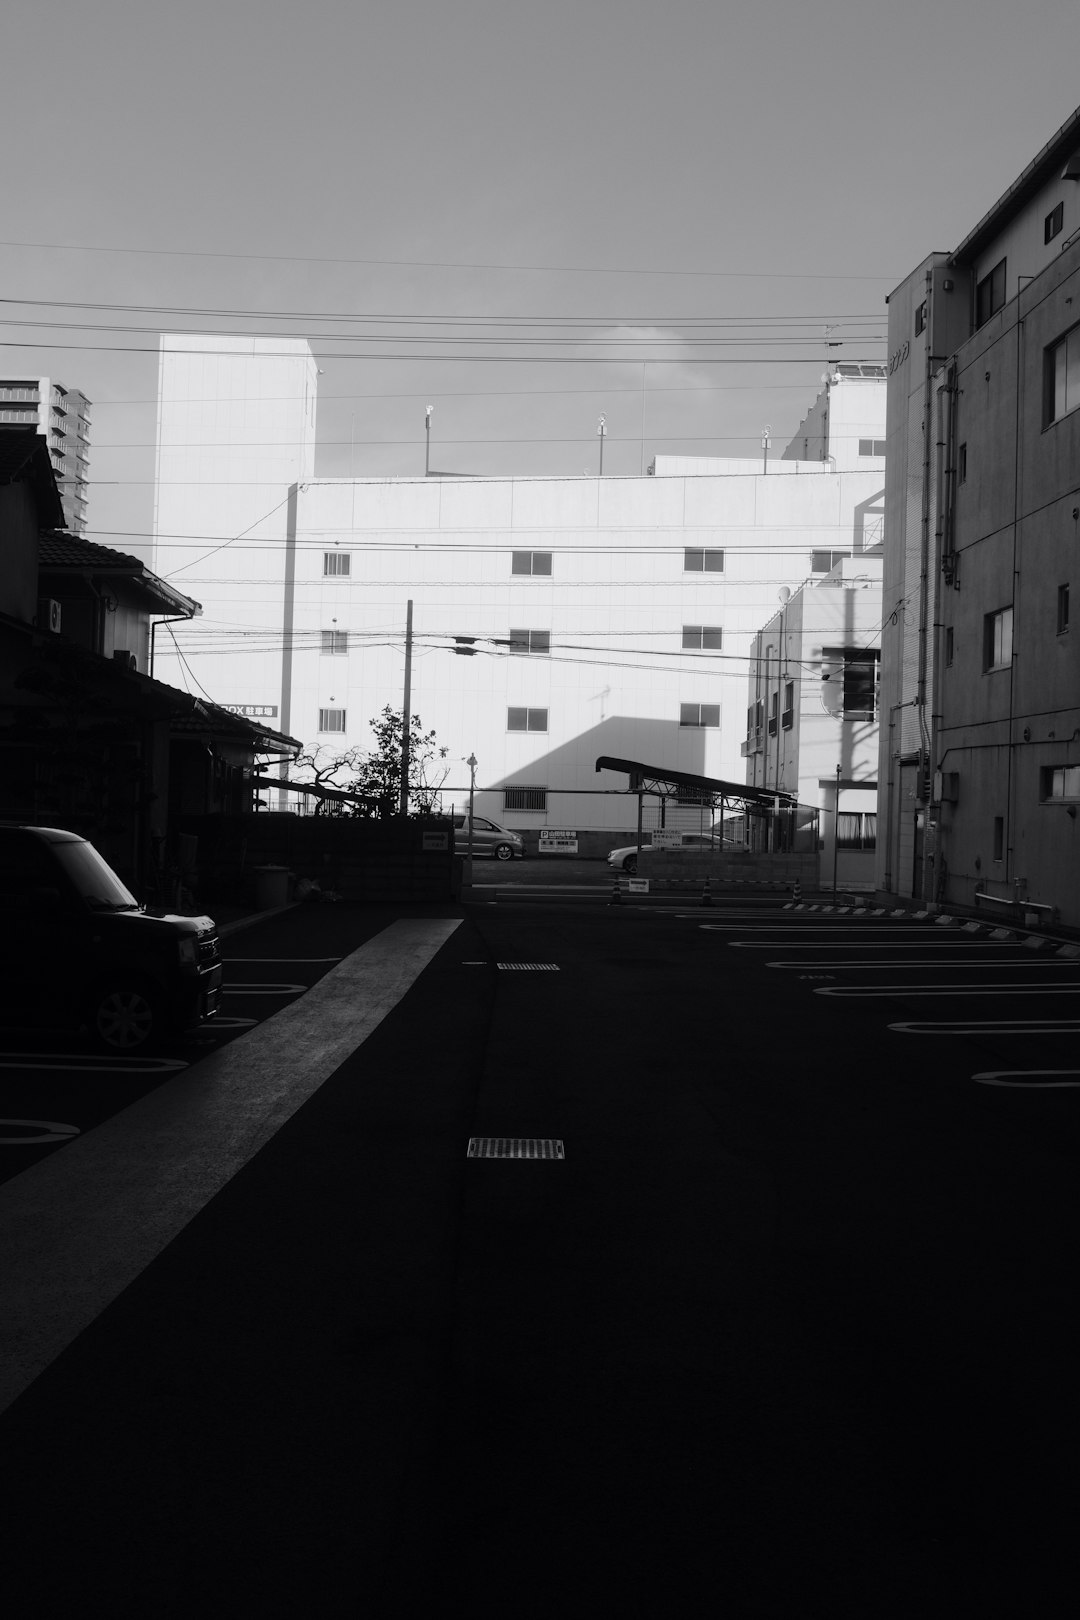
62 416
980 735
235 430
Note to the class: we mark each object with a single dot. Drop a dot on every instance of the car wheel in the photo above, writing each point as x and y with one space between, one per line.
124 1018
630 865
503 852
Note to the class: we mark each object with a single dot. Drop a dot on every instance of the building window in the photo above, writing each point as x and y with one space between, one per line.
531 562
750 722
788 716
331 719
961 464
759 717
822 562
1061 376
920 318
699 715
999 838
857 669
525 798
990 294
336 562
871 447
856 829
526 719
997 639
1059 782
697 561
530 641
335 643
948 644
1052 224
702 637
1062 609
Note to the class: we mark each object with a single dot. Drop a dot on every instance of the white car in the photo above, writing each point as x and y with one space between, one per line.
626 860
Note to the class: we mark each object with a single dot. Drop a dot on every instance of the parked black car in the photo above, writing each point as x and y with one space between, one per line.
77 951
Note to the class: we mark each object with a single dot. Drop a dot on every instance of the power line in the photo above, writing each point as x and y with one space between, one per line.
478 359
452 264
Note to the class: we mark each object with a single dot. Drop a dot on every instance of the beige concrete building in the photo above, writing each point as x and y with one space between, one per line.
980 699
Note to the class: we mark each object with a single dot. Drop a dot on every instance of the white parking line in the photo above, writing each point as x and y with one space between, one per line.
80 1225
292 960
90 1063
975 960
895 991
871 945
1020 1079
1004 1026
263 989
786 930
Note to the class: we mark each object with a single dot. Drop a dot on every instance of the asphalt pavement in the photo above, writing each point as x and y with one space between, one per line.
785 1330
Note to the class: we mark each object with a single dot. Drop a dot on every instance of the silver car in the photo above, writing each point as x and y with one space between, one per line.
626 859
487 838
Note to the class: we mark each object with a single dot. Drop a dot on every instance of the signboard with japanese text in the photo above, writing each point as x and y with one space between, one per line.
557 841
436 840
666 838
252 711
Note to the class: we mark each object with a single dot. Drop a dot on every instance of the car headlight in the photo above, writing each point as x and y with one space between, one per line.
188 950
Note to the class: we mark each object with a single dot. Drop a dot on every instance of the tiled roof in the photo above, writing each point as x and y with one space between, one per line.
56 550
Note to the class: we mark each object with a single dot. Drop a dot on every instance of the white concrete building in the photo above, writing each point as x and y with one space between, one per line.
235 429
602 615
812 712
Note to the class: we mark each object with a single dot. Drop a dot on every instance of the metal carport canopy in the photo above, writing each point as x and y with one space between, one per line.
652 779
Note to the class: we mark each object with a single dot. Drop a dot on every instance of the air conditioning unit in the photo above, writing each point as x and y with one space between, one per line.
48 614
126 660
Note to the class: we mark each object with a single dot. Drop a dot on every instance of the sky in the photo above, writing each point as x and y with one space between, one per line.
525 215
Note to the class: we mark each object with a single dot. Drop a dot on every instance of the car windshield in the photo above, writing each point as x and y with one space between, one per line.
94 878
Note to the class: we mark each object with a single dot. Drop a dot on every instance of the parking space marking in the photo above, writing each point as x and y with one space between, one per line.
943 945
787 929
1021 1079
90 1063
915 990
263 989
975 960
1003 1026
80 1225
49 1130
293 960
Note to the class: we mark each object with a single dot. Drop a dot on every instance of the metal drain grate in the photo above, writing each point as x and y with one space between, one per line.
529 967
515 1147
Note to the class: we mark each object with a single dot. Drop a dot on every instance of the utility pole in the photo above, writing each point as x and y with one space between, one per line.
601 429
406 718
471 762
836 832
766 435
427 441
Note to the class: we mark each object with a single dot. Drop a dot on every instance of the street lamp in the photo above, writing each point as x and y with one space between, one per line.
471 763
601 428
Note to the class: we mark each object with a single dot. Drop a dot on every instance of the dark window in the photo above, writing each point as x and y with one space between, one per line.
525 798
702 637
857 669
1059 782
526 719
699 714
821 562
750 721
1062 609
774 704
920 318
696 561
948 644
856 829
997 639
871 447
961 464
999 838
530 641
1053 222
335 642
336 562
531 562
1061 376
990 294
788 716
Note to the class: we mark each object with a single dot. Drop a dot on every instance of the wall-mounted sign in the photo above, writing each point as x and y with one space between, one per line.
252 711
666 838
436 840
896 360
557 841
